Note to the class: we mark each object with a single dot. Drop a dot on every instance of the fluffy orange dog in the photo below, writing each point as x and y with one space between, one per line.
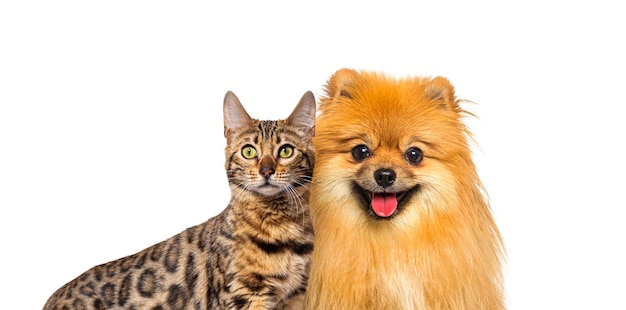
400 216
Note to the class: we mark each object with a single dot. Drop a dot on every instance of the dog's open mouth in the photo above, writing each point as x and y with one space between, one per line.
384 205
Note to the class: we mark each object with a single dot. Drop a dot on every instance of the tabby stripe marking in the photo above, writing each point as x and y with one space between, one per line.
98 304
88 289
191 233
108 294
147 285
254 281
226 234
157 251
124 293
79 304
140 261
191 273
97 273
202 238
239 302
177 297
173 255
278 247
110 270
126 264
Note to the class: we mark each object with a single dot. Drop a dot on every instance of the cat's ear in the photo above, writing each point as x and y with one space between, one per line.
303 116
341 82
235 116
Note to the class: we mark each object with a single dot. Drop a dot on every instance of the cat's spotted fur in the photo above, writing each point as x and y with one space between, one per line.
253 255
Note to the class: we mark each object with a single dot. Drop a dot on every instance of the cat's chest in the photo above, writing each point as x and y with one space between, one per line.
279 217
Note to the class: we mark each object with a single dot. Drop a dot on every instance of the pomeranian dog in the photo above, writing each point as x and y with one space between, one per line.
401 218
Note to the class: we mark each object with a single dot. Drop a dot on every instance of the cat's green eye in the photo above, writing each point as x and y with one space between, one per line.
248 152
285 151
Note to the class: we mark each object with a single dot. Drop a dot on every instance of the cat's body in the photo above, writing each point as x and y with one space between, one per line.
253 255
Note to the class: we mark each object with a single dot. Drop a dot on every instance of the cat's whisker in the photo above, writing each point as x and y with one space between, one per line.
296 199
293 198
289 195
302 184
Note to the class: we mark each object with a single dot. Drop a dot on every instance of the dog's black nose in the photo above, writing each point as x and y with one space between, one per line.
385 177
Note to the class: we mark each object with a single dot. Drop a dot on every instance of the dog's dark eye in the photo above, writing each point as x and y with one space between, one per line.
360 152
414 155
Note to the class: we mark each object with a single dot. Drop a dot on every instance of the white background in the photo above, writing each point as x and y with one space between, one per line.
111 123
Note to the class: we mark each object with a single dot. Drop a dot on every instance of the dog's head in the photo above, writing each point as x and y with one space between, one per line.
389 143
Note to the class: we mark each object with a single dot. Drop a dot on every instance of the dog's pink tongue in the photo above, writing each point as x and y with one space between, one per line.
384 204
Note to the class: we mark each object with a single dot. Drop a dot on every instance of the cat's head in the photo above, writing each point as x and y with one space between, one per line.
269 157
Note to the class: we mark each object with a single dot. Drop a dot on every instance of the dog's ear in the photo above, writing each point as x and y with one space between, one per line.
441 91
340 83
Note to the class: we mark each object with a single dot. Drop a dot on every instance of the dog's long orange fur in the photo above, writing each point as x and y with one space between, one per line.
442 250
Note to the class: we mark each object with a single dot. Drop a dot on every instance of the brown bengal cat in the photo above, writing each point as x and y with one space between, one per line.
254 255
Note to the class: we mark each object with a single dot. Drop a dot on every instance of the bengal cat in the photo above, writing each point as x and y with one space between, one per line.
255 254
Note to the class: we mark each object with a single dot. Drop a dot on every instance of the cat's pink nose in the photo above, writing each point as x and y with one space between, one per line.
267 164
267 171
